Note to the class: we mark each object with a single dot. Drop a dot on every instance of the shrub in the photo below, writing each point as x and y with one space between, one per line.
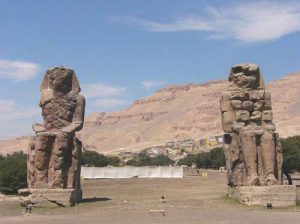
291 156
207 160
92 158
217 158
188 160
13 173
161 160
144 160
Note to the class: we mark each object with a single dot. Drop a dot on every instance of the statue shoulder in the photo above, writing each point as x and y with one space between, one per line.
225 95
47 95
80 100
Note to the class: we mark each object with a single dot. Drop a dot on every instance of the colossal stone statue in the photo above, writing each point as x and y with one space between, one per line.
54 155
56 162
252 148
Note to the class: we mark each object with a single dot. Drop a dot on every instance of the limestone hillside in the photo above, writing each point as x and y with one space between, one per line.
176 113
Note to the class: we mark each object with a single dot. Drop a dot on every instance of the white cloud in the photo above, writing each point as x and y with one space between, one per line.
10 111
148 85
18 70
247 22
108 103
101 90
6 106
16 119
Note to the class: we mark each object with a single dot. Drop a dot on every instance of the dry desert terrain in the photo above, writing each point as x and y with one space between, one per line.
193 199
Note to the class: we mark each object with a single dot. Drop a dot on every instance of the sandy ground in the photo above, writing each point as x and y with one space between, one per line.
194 199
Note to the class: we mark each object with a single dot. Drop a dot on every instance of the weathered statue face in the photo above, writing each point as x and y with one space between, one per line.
243 80
61 81
245 76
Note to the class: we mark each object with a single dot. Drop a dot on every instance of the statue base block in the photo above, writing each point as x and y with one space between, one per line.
276 196
50 197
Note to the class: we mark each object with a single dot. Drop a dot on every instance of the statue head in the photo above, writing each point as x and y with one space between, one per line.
246 76
60 79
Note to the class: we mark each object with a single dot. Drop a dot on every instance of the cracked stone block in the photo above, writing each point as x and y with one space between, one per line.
267 115
256 94
242 115
256 115
278 196
267 95
267 105
236 104
50 197
238 95
258 105
247 105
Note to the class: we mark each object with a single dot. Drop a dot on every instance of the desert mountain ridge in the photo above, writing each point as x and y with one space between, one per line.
175 113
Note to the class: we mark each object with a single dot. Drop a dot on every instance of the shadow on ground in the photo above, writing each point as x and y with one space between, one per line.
94 199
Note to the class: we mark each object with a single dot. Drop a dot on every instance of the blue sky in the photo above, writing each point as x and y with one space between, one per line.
125 50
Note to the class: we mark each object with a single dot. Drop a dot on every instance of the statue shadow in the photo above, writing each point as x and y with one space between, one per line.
94 199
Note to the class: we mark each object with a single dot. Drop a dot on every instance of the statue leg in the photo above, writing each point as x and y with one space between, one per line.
279 158
226 148
74 168
268 156
30 163
234 160
58 160
248 141
73 164
41 162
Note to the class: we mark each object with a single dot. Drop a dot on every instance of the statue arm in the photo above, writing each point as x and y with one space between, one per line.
267 113
78 118
227 113
47 95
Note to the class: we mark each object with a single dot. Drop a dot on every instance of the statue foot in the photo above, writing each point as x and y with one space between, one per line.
271 180
254 181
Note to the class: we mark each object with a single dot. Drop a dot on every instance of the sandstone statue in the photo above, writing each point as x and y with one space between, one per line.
252 148
54 156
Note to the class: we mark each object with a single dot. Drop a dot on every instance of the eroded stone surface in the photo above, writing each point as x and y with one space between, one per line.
54 154
50 197
278 196
252 148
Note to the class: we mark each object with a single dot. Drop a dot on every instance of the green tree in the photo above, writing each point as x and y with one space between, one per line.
132 162
113 160
144 160
291 156
93 158
188 160
13 173
161 160
217 158
203 160
213 159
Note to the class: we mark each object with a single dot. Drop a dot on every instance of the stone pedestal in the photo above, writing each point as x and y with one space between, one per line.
50 197
278 196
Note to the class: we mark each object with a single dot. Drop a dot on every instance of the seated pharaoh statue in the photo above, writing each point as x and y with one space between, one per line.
54 156
252 148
